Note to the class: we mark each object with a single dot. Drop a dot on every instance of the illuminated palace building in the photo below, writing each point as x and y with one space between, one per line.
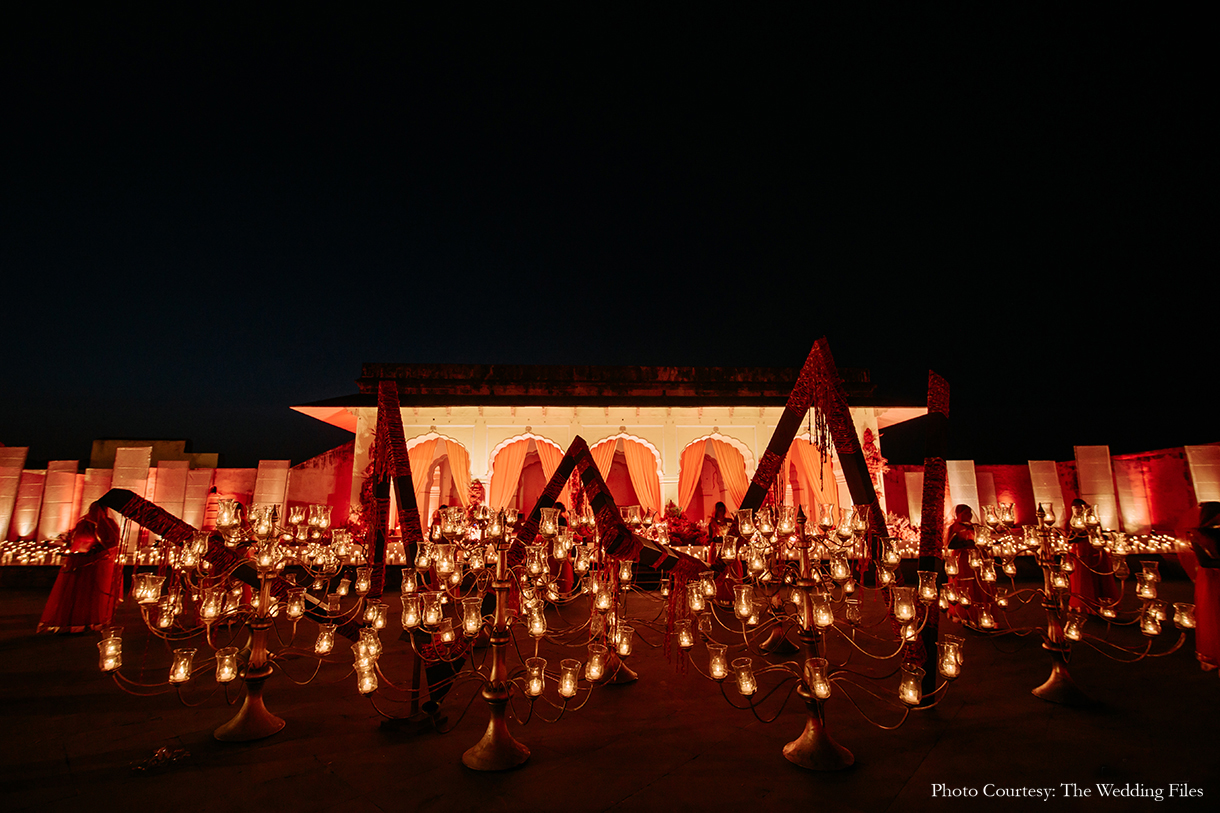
683 435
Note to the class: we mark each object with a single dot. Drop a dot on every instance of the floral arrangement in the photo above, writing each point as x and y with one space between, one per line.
682 531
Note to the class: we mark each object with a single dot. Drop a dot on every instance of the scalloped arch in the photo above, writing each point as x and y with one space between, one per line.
656 454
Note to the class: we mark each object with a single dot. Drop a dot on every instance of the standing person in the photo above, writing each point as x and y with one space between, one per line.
717 526
89 583
1202 562
959 539
1089 579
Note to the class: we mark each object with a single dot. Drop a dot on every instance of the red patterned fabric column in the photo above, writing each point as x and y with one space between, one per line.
395 463
932 511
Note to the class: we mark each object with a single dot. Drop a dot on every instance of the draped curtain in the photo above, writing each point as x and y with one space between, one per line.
817 479
420 457
603 456
732 471
459 466
506 472
550 456
642 467
689 470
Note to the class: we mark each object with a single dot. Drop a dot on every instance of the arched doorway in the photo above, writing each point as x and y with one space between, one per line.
631 468
712 469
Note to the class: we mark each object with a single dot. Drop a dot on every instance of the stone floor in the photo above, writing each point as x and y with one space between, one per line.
668 741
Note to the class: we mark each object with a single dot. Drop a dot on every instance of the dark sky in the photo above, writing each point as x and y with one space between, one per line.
206 220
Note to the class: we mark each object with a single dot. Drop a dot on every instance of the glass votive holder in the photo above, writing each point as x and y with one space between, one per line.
342 587
986 620
625 635
694 597
707 582
472 615
927 586
537 620
110 653
569 674
410 581
948 659
903 600
1145 585
951 563
1149 624
226 664
362 658
705 624
296 602
910 689
180 667
595 666
1073 627
743 600
410 611
718 661
364 577
326 639
682 629
816 678
851 611
535 676
370 641
743 670
432 608
366 680
147 587
444 632
1184 615
823 612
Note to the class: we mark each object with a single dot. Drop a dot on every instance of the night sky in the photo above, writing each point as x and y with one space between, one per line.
206 220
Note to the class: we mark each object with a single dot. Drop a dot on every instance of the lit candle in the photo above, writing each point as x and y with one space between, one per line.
1073 628
718 662
180 668
625 573
815 677
110 653
445 633
226 664
569 673
366 680
535 676
707 581
296 602
625 634
326 639
1184 615
694 597
840 568
910 690
823 613
904 603
986 621
595 667
927 586
743 600
432 608
743 669
363 580
341 588
686 638
537 621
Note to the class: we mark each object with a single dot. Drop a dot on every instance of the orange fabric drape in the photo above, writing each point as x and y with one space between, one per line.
459 465
506 472
420 457
689 469
550 456
732 471
603 456
642 467
814 486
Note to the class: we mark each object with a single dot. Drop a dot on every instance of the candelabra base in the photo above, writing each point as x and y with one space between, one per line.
497 751
620 672
778 644
815 750
1060 688
252 721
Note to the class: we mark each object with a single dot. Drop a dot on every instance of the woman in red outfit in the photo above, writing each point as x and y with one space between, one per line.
1202 562
89 583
